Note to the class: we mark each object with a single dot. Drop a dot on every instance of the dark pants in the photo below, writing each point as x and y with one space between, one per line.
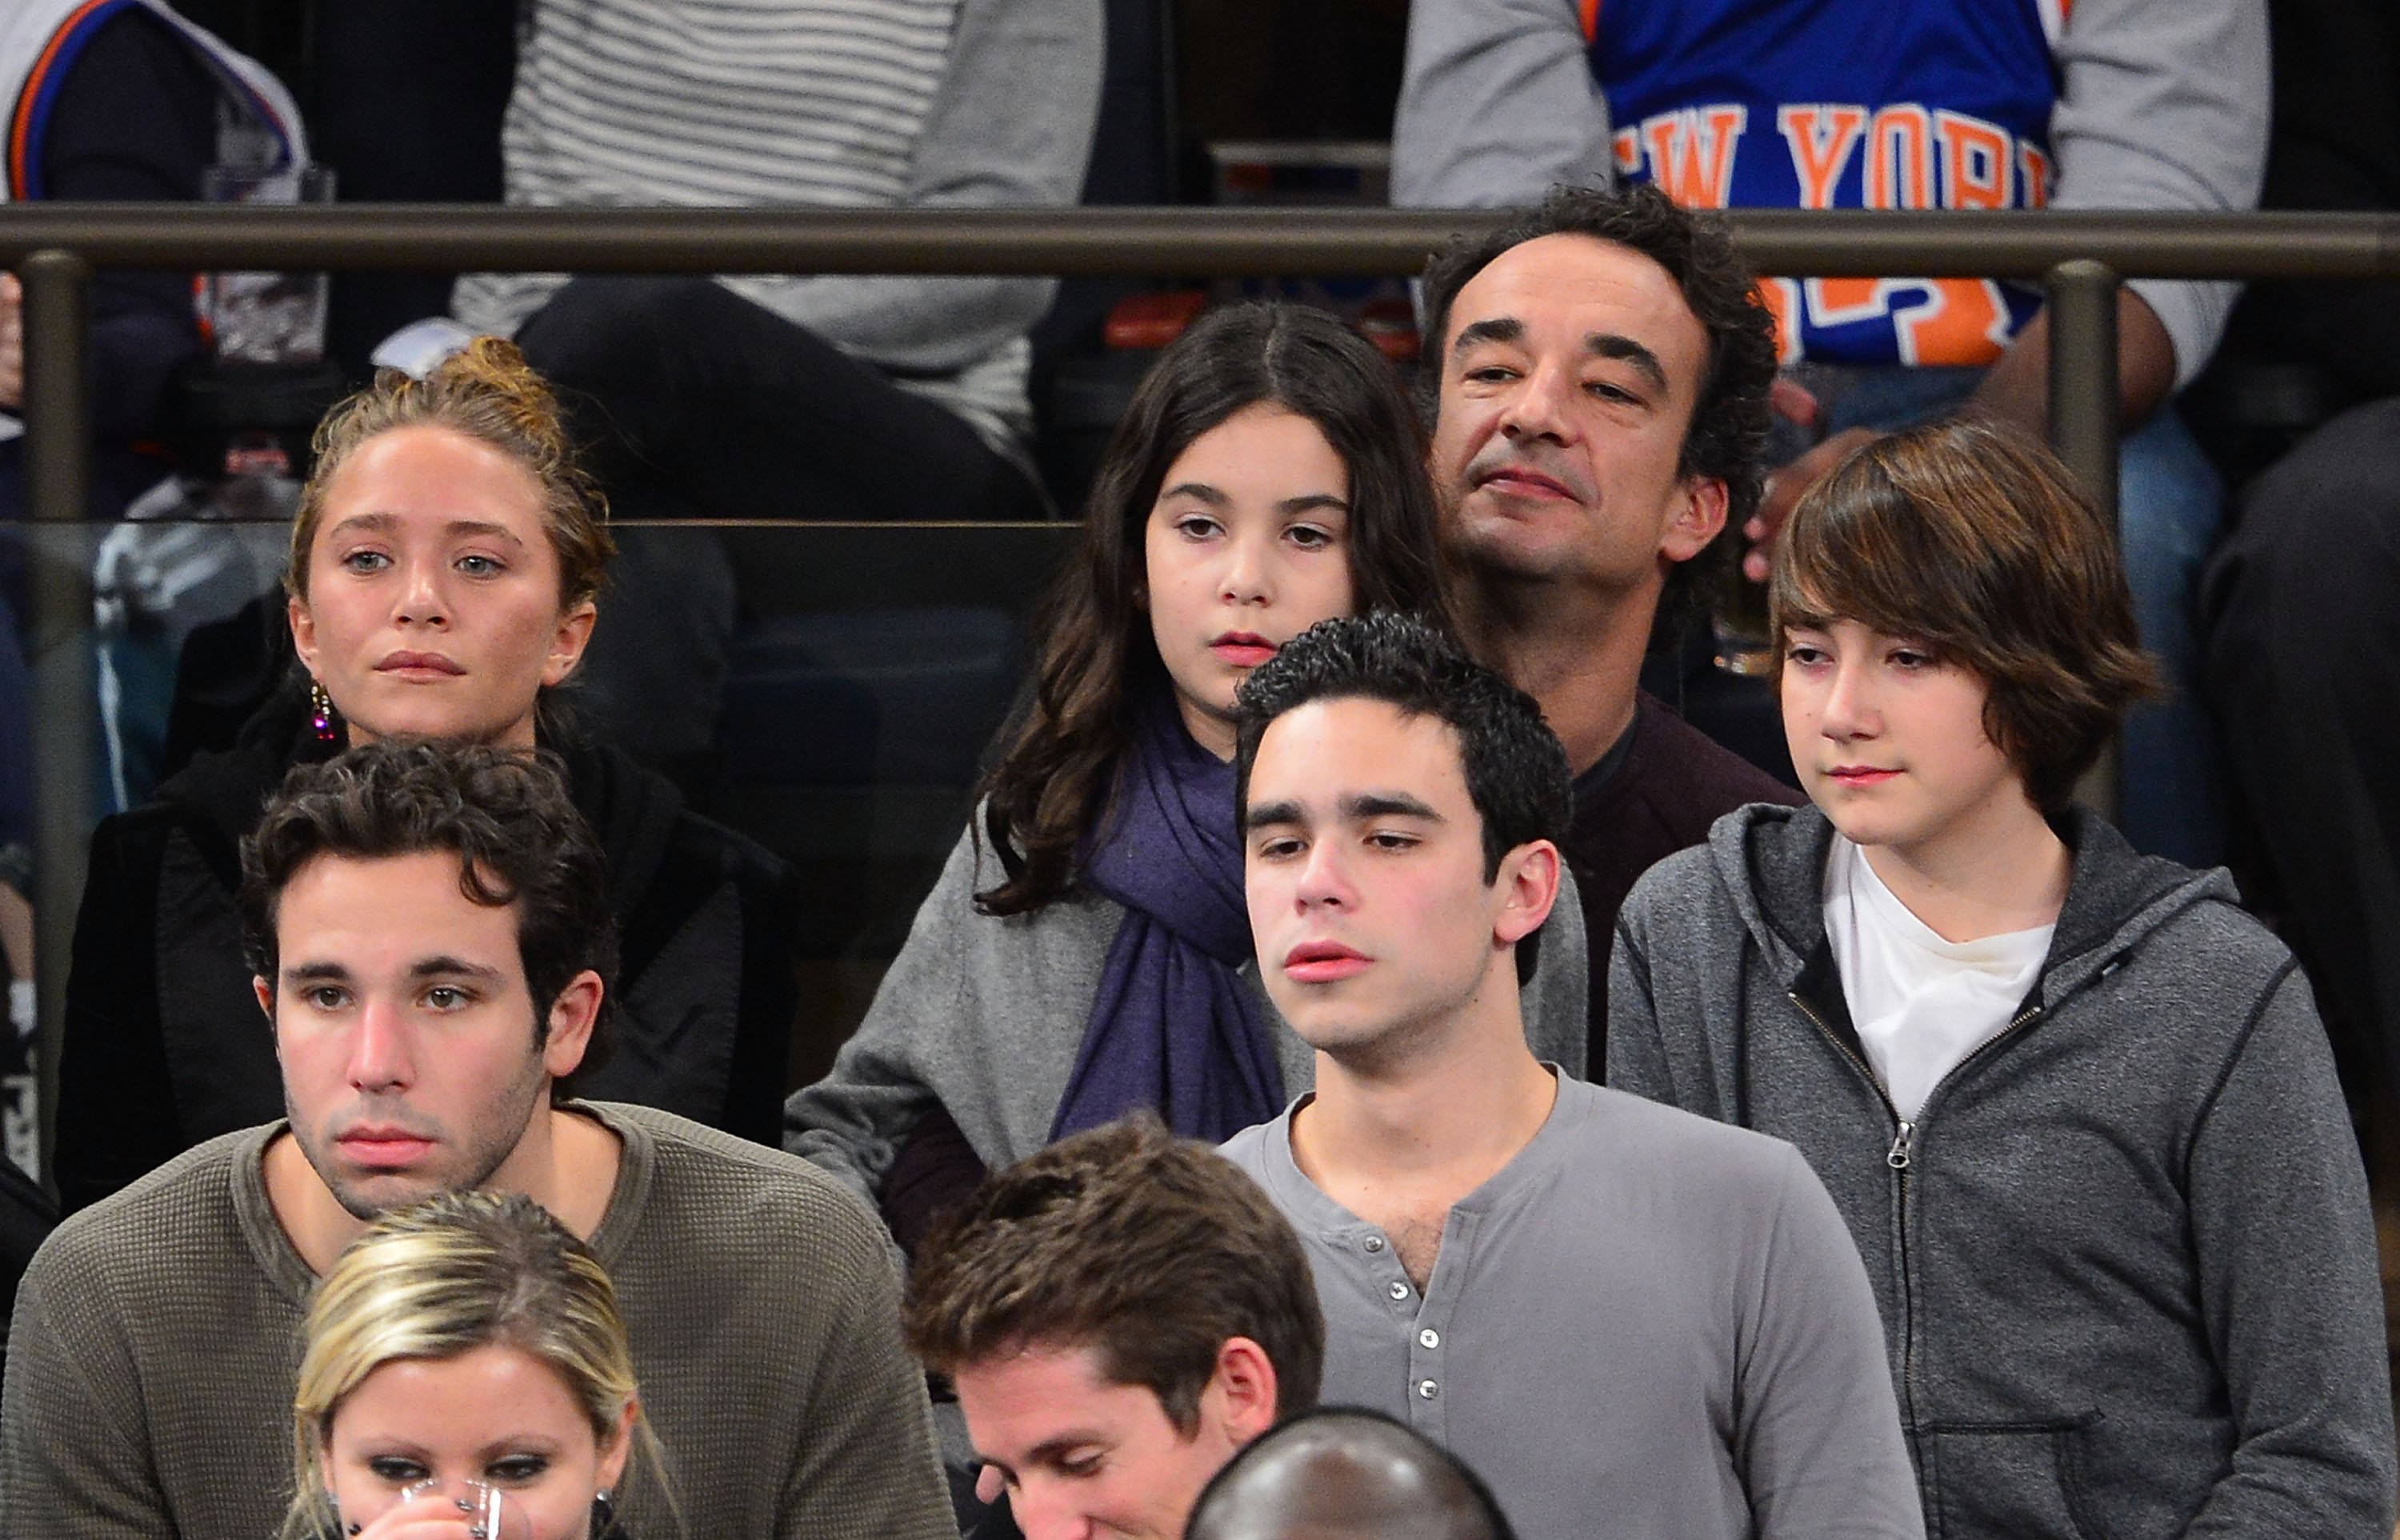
698 402
695 404
2303 668
406 104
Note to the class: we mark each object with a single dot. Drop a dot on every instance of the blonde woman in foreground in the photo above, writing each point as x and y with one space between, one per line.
465 1377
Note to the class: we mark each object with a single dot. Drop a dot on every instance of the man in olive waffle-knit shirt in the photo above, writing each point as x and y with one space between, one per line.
156 1338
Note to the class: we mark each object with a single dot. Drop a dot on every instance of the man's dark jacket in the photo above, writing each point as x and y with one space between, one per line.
1672 783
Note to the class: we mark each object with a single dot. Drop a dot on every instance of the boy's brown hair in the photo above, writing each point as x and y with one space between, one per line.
1972 540
1150 1250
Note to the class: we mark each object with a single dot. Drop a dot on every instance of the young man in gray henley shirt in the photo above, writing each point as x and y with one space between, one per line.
1627 1321
431 931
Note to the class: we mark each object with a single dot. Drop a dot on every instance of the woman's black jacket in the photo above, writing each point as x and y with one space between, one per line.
165 1045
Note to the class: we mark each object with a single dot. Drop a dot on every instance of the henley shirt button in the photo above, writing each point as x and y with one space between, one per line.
1375 1243
1399 1290
1427 1389
1430 1338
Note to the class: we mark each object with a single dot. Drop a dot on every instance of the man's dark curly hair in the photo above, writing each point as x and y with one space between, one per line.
1726 438
519 840
1516 774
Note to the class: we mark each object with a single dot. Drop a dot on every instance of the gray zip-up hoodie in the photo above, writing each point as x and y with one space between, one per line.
2123 1252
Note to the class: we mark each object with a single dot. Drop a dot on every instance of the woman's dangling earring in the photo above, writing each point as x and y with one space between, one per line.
604 1514
321 713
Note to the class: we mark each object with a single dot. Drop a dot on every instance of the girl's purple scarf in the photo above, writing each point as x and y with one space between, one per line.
1172 1028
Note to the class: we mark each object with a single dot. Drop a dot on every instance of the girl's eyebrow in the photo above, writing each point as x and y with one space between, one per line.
383 522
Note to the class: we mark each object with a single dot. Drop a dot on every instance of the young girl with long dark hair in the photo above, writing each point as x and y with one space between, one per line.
1087 950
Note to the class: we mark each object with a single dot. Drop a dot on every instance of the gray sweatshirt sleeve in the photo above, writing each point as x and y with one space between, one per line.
1637 1060
1657 1039
1010 127
851 1122
1497 104
2289 1293
1817 1427
1557 1000
2164 108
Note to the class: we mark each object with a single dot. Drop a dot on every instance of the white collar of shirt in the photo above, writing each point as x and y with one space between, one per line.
1921 1005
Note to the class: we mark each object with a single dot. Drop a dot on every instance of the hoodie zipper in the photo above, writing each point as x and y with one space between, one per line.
1900 1157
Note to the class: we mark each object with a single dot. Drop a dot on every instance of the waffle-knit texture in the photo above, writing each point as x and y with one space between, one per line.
156 1341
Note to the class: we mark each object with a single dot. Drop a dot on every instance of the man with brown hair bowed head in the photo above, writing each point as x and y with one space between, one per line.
1628 1320
1119 1313
1598 373
431 939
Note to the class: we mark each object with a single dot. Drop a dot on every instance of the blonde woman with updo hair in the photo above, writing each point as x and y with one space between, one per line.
445 577
465 1376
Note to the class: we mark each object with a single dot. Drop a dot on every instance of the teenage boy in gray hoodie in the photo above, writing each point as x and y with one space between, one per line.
2076 1106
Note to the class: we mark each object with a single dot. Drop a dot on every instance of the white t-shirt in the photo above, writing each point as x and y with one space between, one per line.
1920 1003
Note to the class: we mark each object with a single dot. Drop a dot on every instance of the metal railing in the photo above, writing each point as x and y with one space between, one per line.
2080 257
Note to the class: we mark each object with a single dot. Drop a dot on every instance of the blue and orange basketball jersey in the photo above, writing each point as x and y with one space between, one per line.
1843 104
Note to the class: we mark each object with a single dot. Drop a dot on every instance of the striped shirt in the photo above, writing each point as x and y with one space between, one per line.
838 104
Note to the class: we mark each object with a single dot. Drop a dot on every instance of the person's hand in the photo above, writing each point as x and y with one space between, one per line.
12 343
1785 485
434 1516
437 1515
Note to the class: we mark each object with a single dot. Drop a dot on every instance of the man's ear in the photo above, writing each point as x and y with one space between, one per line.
1242 1393
1697 521
571 1018
1529 882
265 993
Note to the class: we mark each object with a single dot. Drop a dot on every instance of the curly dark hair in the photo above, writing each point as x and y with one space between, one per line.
1058 756
509 819
1726 438
1150 1250
1517 773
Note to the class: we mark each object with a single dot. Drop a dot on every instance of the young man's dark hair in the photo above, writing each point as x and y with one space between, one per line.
1347 1471
1726 438
1973 539
519 840
1151 1250
1516 774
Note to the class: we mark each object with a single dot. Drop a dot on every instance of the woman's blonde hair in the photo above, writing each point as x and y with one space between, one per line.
487 392
457 1272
